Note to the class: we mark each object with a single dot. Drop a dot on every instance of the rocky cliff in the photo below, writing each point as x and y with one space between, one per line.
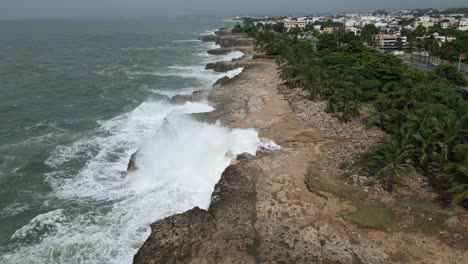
224 233
263 212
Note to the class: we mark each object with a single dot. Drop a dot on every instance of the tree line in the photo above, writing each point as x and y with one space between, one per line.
426 117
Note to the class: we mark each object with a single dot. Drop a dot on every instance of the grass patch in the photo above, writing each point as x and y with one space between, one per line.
373 214
329 261
329 183
428 215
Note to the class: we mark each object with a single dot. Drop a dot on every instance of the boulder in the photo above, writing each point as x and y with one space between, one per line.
221 67
222 81
132 162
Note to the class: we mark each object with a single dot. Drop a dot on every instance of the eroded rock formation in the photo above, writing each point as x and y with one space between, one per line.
225 233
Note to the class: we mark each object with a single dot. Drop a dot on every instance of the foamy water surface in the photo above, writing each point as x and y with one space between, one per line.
84 206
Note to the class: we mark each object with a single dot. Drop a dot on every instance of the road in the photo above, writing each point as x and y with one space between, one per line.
423 66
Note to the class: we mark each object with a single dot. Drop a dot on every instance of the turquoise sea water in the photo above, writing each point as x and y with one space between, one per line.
77 97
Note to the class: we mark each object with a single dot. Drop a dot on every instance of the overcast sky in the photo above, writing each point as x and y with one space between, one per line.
132 8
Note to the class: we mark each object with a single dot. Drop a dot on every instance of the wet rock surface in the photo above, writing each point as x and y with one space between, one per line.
132 162
223 234
226 39
221 66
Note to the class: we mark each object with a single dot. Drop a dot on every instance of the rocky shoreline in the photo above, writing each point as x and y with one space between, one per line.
261 210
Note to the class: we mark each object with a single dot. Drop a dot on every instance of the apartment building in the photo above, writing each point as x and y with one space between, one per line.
290 24
390 40
426 24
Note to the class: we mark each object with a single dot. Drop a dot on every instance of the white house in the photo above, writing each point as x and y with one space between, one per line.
318 27
442 39
424 18
350 23
380 24
355 30
463 25
444 24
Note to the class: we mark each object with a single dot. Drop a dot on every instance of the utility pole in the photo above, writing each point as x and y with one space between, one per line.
462 57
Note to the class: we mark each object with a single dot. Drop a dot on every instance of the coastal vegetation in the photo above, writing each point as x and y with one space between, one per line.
423 112
447 51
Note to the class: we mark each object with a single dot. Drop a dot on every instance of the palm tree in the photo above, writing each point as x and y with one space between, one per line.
391 161
399 43
411 46
425 140
458 172
380 114
432 47
313 82
345 101
450 132
419 47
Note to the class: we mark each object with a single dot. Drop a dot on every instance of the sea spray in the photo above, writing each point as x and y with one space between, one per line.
190 154
206 77
180 161
91 103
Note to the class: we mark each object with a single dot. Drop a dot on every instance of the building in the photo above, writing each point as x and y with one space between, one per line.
445 24
463 25
426 24
266 22
355 30
290 24
424 18
390 40
369 18
380 24
442 39
318 27
328 30
350 23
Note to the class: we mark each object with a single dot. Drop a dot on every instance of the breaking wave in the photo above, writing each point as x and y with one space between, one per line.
177 171
107 211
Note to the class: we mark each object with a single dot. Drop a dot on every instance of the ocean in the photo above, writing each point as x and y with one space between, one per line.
77 98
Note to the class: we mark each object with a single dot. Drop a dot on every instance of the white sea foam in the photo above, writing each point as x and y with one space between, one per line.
186 40
207 32
232 56
40 225
180 160
213 45
198 72
125 132
14 208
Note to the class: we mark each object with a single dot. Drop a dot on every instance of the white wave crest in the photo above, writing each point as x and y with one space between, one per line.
208 78
180 160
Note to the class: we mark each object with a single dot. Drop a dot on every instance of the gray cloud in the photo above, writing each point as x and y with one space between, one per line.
93 8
